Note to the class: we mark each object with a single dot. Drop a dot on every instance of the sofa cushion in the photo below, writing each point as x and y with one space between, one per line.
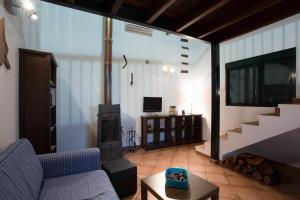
20 171
93 185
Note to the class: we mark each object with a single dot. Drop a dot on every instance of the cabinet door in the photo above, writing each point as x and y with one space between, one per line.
178 129
168 130
197 128
35 100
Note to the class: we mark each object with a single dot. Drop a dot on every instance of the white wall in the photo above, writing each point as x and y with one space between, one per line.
278 36
9 80
150 80
75 38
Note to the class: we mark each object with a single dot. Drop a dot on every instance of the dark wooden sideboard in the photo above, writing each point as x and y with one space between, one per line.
168 130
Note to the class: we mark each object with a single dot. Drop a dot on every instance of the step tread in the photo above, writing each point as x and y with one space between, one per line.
271 114
236 130
224 136
254 123
296 101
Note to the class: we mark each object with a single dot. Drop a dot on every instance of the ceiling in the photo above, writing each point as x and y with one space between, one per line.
209 20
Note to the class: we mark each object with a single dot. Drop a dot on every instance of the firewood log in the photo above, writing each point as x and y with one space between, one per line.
247 169
255 161
273 179
265 168
257 175
240 162
227 163
237 168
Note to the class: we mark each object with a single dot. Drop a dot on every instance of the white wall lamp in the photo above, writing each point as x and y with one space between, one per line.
27 6
168 69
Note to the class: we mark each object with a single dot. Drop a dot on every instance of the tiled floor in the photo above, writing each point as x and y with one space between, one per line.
232 185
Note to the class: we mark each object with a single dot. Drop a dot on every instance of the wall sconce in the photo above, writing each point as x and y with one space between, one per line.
168 69
27 6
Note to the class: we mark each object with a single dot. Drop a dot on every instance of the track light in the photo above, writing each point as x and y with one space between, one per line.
34 16
26 6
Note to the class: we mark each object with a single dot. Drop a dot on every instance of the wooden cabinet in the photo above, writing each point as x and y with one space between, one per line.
37 99
164 130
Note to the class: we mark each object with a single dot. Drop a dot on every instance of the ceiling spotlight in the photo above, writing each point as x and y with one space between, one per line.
28 5
34 16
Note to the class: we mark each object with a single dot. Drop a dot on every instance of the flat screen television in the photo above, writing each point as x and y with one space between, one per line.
152 104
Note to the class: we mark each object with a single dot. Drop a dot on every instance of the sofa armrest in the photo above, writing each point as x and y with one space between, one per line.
71 162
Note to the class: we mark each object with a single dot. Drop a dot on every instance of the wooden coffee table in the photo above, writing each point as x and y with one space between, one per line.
199 188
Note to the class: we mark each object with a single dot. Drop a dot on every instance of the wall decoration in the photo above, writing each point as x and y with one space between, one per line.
124 57
3 45
184 55
131 79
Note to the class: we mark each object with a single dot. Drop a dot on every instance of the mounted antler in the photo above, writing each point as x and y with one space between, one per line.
3 45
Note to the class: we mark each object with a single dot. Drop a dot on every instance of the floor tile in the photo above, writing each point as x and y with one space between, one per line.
196 168
246 193
274 195
214 169
217 178
226 191
179 164
201 175
233 186
239 181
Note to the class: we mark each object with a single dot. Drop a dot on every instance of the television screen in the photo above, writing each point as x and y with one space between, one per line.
152 104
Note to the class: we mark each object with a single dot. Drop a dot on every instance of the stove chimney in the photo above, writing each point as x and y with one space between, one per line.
107 23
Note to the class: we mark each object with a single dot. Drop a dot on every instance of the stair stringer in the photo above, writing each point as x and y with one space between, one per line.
269 126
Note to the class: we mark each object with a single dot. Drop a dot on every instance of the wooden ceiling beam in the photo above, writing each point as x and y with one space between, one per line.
116 5
193 18
159 9
245 13
283 10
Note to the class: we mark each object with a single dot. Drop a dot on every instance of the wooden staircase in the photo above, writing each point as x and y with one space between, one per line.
237 134
285 117
276 113
296 101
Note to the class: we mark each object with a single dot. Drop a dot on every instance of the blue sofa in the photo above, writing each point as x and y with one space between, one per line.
60 176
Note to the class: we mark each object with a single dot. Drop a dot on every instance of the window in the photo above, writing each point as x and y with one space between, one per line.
265 80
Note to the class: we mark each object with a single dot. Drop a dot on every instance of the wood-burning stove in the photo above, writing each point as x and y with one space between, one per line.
109 138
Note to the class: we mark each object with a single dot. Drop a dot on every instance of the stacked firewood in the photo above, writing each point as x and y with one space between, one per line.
258 168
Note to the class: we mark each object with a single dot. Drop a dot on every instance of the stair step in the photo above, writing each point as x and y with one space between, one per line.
272 114
203 149
224 136
200 146
296 101
255 123
276 113
236 130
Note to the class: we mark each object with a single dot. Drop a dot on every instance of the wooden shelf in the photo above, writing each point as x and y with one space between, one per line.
35 99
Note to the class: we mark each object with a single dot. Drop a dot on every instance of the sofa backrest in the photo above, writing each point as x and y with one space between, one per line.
21 173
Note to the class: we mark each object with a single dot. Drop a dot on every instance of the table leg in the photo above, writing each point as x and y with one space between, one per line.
144 195
215 197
